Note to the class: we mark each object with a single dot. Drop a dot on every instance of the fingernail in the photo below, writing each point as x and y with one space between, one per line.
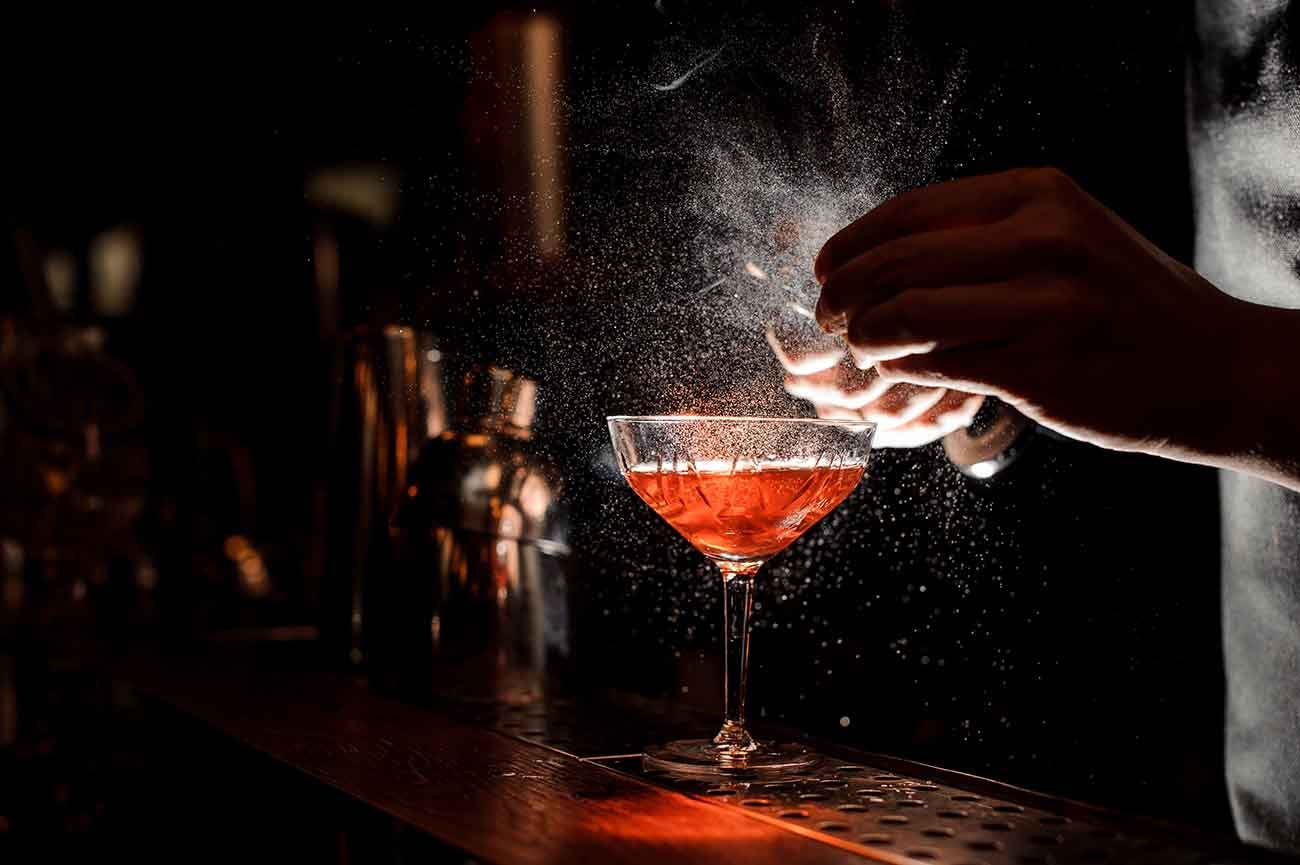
831 322
819 270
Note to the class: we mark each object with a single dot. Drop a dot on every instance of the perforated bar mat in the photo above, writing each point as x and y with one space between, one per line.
885 808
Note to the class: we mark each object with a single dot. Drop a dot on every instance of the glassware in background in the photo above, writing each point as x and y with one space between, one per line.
740 490
74 462
449 556
375 414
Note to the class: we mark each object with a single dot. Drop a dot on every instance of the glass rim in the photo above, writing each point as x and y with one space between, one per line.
864 425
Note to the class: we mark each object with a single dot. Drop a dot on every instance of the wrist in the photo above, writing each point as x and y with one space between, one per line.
1262 422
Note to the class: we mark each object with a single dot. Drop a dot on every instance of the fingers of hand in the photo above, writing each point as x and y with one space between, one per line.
844 386
968 201
865 355
954 411
1037 226
993 371
898 406
958 256
800 345
901 404
850 393
834 412
924 321
1025 247
888 405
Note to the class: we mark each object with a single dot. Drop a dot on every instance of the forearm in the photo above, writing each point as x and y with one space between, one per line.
1262 423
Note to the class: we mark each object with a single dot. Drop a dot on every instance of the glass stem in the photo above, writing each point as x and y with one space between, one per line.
737 600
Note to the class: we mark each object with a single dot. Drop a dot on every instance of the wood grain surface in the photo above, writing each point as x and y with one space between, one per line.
496 798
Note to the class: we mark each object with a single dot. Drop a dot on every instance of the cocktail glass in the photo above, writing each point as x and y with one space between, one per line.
740 489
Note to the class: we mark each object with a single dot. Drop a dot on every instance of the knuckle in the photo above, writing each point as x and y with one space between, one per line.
888 370
903 205
864 331
1057 242
902 318
825 262
836 294
888 270
895 262
1053 181
883 268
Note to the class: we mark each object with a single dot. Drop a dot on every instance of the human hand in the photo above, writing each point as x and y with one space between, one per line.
819 370
1022 286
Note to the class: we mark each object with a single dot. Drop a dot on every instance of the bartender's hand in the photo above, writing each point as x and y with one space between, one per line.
906 415
819 370
1022 286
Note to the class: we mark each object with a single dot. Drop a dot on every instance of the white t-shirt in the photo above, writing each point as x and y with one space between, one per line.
1244 139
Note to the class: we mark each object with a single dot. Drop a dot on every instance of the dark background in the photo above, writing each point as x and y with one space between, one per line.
1056 627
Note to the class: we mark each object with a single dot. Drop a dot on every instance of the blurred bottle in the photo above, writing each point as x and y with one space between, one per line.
73 460
376 408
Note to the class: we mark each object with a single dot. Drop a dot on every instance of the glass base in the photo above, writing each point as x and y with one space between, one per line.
703 757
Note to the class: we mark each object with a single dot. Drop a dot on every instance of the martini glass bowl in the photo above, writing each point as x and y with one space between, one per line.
740 489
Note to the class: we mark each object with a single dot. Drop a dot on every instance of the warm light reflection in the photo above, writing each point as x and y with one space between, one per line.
509 522
663 820
505 559
452 562
328 266
146 576
534 496
521 414
57 478
401 349
369 190
114 271
253 576
541 49
61 279
235 547
12 558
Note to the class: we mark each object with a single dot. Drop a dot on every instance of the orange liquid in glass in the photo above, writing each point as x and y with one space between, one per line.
744 514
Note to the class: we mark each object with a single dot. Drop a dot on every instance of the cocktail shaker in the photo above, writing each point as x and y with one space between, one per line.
469 595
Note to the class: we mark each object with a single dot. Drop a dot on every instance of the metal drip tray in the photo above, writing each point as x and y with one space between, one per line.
882 808
908 817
